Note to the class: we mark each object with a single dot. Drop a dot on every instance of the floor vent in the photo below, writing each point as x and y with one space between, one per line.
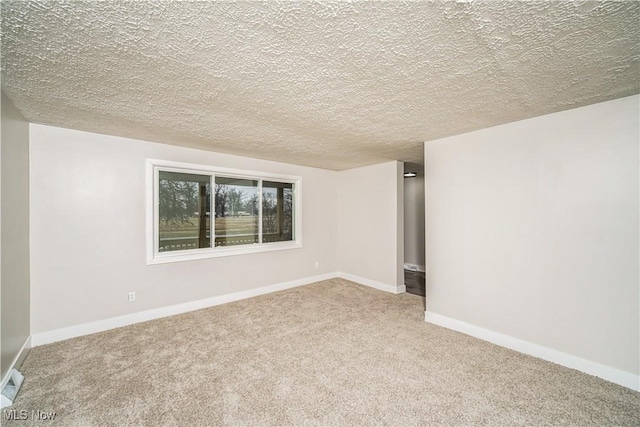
10 391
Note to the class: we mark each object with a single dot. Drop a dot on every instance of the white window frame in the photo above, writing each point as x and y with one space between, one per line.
154 167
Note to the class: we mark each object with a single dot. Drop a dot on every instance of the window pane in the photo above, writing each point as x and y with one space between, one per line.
184 211
277 211
236 203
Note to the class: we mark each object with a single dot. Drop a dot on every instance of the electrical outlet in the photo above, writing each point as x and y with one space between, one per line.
132 296
317 264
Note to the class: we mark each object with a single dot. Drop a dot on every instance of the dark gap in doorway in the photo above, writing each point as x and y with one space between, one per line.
415 282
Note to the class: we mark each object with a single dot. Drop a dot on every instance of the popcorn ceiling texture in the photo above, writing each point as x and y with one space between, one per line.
334 85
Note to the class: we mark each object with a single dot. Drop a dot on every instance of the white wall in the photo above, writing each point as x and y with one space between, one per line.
14 247
532 231
414 221
88 231
370 223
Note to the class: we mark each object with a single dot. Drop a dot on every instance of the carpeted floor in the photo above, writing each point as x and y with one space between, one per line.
330 353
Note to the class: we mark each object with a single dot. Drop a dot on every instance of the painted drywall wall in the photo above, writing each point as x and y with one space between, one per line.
370 223
532 231
414 221
14 246
399 220
88 231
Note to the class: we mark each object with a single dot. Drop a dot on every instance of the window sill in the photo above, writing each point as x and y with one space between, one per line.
195 254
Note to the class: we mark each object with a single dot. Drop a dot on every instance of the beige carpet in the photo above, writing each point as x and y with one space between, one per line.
331 353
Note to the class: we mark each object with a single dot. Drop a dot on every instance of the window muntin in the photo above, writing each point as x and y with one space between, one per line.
186 219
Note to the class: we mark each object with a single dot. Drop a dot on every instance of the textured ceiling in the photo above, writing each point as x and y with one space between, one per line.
330 84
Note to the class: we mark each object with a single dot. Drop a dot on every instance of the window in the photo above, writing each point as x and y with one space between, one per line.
236 212
197 212
183 211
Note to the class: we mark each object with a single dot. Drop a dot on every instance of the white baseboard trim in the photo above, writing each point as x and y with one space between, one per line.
372 283
143 316
608 373
17 362
415 267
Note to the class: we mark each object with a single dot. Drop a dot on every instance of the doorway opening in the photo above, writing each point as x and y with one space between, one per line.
414 225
